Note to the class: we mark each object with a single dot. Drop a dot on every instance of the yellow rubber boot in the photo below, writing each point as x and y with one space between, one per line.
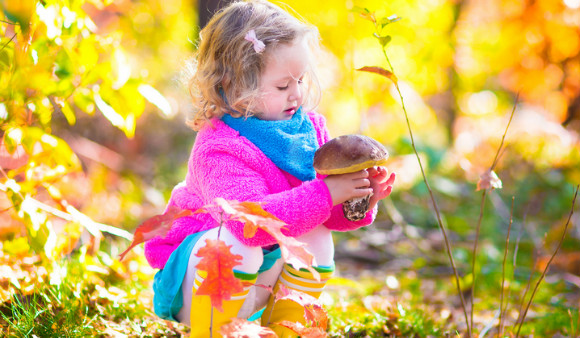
202 323
298 280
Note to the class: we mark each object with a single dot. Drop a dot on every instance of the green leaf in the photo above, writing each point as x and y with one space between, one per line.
68 114
83 100
386 21
359 10
19 11
16 247
63 68
384 40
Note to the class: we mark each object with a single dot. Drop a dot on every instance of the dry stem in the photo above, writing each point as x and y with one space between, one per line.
523 317
481 207
507 242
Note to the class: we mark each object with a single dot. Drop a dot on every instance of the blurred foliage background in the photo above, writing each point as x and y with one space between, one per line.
93 104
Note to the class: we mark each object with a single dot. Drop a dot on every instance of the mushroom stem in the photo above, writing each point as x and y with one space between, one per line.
355 209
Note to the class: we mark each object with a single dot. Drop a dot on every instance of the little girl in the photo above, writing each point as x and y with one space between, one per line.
254 87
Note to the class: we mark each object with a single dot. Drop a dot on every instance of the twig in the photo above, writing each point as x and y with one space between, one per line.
496 159
507 242
474 254
211 322
6 44
435 207
550 261
523 299
481 207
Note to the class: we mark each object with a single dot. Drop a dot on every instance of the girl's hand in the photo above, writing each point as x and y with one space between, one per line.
380 184
346 186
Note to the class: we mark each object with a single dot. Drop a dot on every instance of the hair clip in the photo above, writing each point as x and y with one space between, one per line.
258 44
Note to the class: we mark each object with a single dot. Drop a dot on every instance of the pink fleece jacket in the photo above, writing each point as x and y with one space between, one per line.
225 164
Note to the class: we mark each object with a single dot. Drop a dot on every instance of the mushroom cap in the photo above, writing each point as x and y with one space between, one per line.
349 153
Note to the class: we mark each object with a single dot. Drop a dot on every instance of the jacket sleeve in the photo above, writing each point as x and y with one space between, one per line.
227 175
337 221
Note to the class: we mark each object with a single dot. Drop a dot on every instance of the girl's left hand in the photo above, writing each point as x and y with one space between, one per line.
381 185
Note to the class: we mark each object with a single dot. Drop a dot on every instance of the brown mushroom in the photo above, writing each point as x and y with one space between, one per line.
346 154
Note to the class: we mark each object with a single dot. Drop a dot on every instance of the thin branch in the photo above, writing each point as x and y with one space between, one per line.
6 44
496 159
505 252
549 262
481 207
435 207
474 254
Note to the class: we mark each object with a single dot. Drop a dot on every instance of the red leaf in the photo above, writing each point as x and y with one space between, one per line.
314 313
220 283
380 71
241 328
157 225
254 216
303 331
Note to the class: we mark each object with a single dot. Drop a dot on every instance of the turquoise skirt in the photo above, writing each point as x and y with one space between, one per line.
168 297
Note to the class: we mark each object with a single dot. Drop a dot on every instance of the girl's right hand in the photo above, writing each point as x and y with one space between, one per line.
346 186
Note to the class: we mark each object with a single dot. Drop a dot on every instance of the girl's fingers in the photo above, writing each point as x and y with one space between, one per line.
362 183
391 179
362 192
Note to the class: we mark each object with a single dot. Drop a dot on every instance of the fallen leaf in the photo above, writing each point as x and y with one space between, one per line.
314 313
241 328
157 225
303 331
218 261
380 71
254 216
489 180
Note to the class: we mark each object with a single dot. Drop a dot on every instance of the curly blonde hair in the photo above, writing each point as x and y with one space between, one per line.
226 70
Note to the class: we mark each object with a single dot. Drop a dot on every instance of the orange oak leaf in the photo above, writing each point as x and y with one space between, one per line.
489 179
241 328
218 261
314 313
157 225
303 331
380 71
254 216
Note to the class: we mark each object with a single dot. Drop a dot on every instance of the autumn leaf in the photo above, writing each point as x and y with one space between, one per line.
218 261
380 71
157 225
303 331
489 180
12 158
241 328
254 216
314 313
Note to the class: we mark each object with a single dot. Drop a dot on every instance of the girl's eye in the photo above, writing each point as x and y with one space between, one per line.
282 88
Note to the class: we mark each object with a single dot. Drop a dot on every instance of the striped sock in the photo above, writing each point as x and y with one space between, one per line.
298 280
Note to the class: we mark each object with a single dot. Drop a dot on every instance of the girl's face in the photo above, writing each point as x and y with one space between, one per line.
281 82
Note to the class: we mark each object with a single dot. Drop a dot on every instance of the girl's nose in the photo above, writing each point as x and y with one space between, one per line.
296 94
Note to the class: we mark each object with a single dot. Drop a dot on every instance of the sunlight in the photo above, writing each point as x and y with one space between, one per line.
572 4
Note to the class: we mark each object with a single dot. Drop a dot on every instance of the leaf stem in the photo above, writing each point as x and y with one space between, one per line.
550 261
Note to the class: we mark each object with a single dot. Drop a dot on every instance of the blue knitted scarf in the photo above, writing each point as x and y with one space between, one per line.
290 144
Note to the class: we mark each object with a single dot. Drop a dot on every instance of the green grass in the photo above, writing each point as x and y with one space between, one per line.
96 296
